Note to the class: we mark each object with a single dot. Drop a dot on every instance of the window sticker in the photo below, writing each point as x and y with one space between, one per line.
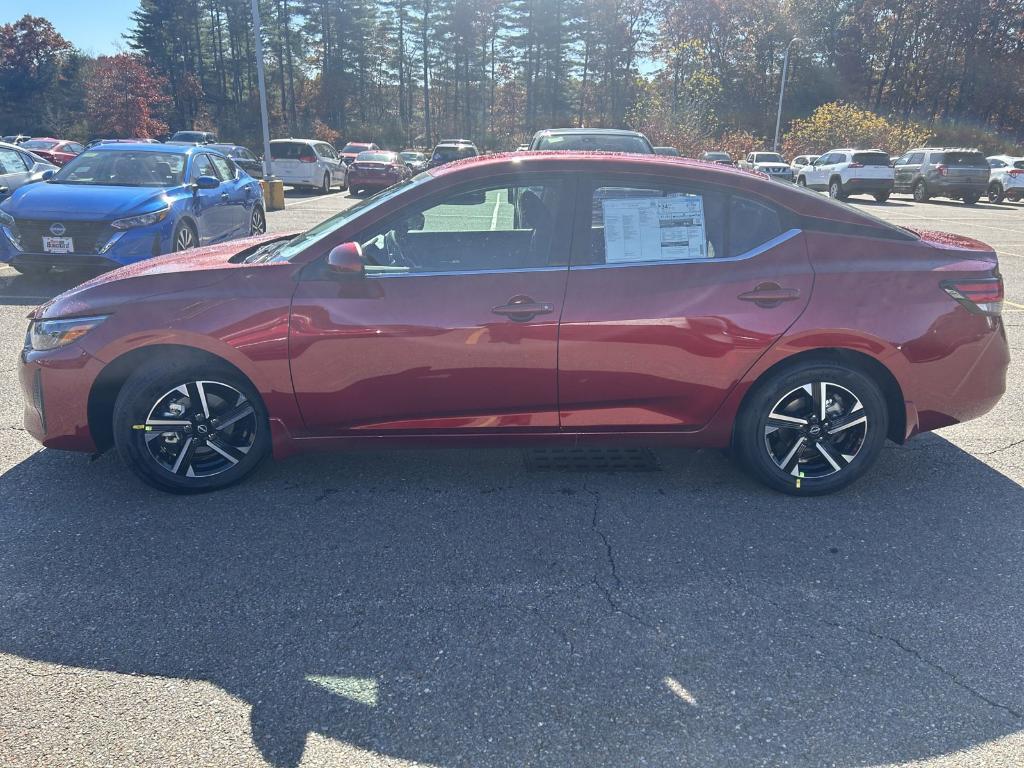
654 229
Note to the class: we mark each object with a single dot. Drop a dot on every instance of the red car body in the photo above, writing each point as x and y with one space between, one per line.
661 353
377 169
349 152
56 151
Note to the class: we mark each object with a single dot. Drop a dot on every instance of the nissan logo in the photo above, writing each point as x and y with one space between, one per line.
57 229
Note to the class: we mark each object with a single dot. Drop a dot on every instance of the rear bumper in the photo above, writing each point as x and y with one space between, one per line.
941 188
366 182
869 185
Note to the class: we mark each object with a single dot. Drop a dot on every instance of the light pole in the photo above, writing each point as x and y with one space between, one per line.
262 83
782 91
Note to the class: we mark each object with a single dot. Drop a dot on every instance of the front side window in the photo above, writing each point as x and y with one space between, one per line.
491 227
225 168
915 158
11 161
201 166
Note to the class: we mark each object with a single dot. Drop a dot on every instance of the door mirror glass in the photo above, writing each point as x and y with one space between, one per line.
47 174
207 182
347 259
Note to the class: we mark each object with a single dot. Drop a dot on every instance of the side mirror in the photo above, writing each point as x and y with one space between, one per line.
346 259
4 191
47 174
206 182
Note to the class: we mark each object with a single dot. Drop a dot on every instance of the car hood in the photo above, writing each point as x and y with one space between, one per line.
153 277
80 202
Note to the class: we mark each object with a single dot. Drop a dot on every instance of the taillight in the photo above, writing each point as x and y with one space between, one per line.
1014 172
982 296
855 165
307 158
941 169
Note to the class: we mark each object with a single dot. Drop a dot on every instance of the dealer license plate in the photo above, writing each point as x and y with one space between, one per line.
58 245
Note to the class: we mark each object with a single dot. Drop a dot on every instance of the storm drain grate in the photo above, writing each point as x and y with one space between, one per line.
592 459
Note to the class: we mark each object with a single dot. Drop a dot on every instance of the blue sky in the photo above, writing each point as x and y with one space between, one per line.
96 28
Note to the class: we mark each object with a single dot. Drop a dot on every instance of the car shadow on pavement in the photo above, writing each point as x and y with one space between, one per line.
455 608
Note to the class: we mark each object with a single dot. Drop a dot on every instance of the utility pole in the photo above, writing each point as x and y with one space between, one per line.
262 82
782 91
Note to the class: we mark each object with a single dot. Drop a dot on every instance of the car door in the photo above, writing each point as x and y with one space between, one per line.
238 203
822 168
454 326
210 206
674 292
14 171
332 162
905 169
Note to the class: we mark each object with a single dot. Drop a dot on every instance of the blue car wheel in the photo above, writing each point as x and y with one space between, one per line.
184 236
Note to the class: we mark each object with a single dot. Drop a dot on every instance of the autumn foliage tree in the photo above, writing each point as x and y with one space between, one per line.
125 98
844 125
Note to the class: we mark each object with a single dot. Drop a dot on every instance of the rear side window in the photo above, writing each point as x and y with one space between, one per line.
11 161
871 158
1018 164
750 224
961 159
646 225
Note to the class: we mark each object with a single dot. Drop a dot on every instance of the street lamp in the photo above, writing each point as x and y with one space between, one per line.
782 91
262 83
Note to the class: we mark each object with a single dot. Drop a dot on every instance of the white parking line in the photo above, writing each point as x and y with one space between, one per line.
494 216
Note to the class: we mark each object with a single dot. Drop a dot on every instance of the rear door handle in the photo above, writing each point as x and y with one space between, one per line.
770 295
522 308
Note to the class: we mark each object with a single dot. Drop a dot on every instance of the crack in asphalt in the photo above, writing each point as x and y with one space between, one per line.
891 640
993 452
609 557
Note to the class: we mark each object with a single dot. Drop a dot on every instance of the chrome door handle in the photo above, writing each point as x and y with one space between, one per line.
770 295
522 308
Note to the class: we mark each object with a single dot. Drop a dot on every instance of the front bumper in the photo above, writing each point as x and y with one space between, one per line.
55 386
124 247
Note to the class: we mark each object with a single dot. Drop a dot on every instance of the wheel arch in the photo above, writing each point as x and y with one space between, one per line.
892 392
107 386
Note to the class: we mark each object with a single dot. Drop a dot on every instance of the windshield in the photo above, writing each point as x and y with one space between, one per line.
287 249
413 156
595 142
447 154
196 136
768 157
123 168
39 144
375 157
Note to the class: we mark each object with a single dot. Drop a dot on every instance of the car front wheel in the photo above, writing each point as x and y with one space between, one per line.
190 428
995 192
811 429
184 237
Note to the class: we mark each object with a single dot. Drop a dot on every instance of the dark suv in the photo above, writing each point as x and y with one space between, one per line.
452 149
958 173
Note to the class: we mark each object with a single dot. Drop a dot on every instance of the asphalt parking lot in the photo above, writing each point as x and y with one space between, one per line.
456 608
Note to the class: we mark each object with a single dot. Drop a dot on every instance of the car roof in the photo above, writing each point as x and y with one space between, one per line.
303 141
944 149
587 131
176 149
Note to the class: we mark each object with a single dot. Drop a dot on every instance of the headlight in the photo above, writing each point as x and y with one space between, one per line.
141 221
6 219
52 334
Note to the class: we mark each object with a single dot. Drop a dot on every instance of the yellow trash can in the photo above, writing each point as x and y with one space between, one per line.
273 194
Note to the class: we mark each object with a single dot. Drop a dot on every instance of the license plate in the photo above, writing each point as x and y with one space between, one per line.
58 245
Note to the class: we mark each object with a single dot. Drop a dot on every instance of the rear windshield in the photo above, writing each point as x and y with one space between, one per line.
716 156
350 148
196 136
871 158
594 142
447 154
1018 164
375 157
961 159
290 150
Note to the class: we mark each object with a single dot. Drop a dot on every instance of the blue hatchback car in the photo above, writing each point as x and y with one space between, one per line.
116 204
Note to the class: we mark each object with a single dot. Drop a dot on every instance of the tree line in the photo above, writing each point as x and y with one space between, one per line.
691 73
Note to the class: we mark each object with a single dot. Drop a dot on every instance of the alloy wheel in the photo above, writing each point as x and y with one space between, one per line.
200 429
815 430
258 222
184 239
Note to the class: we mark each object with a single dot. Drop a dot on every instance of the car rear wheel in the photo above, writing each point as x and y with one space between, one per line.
184 237
190 428
971 199
995 192
835 190
921 192
811 429
881 197
325 186
257 221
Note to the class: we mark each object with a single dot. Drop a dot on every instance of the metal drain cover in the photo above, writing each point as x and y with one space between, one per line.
592 459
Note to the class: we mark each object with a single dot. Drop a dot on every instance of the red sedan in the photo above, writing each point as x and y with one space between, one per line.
376 170
56 151
528 297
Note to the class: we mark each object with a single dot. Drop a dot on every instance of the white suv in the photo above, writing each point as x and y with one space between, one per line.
307 163
845 172
1006 179
800 162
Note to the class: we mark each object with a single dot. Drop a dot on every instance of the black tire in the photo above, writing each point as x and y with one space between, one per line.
881 197
195 451
835 189
920 192
995 193
185 237
801 181
33 271
325 185
257 221
825 461
971 199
